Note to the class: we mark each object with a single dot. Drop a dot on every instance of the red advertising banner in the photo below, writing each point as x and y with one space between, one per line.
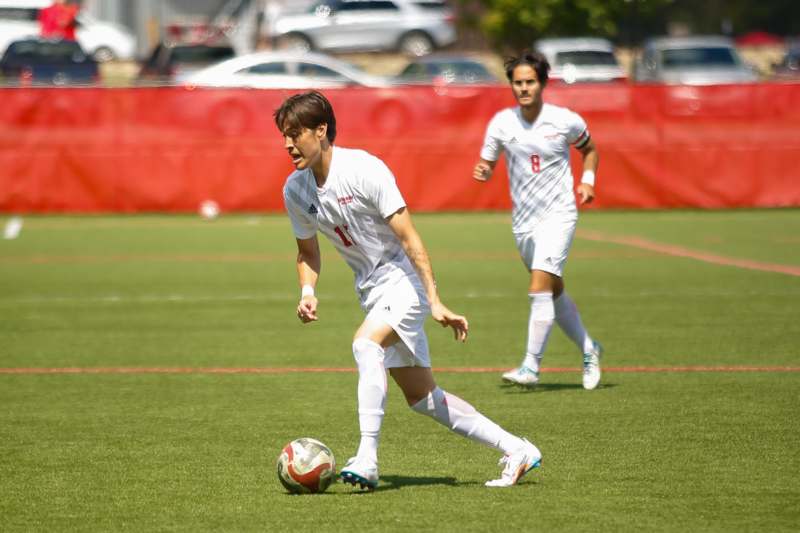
169 149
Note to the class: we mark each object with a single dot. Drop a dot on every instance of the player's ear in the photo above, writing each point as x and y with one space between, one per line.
321 131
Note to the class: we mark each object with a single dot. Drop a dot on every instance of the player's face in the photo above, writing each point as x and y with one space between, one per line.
304 145
526 87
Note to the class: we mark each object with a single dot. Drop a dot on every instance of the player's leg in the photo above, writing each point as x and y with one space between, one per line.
569 320
540 323
425 397
369 353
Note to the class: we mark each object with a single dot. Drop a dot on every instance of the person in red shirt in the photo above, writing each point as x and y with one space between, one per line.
58 20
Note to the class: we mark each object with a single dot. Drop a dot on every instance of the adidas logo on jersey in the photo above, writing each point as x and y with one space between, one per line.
312 210
512 140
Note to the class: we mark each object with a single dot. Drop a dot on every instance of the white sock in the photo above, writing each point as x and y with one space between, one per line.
371 395
569 320
460 417
540 323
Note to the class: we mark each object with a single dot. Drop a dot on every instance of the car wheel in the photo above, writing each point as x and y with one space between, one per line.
295 42
416 43
104 54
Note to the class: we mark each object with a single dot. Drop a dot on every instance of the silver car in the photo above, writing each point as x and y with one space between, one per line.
581 59
702 60
414 27
284 69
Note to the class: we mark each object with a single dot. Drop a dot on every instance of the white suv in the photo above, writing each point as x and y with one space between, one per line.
102 40
415 27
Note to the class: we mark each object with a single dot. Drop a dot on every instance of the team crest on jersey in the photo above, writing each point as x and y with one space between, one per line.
312 210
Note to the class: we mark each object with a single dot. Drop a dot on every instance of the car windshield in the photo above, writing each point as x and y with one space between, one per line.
201 54
716 56
59 51
586 58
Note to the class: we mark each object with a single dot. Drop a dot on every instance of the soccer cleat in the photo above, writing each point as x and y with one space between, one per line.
360 472
527 377
591 367
517 465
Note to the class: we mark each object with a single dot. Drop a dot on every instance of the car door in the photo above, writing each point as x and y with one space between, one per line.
364 25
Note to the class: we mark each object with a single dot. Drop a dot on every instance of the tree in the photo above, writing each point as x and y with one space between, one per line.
512 25
515 24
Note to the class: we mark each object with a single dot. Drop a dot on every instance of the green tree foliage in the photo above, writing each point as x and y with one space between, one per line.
515 24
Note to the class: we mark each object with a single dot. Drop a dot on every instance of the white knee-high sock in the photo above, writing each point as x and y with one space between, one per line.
540 323
569 319
460 417
371 395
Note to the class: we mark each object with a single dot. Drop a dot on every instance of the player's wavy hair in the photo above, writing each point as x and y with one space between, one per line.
535 60
306 110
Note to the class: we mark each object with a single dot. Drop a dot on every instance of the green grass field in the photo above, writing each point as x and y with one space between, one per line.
195 451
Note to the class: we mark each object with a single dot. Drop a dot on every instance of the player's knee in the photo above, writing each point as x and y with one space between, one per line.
364 348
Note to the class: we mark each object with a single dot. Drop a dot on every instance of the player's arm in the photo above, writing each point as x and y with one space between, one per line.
309 263
401 225
483 170
591 159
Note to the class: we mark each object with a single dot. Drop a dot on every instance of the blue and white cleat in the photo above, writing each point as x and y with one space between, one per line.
517 465
524 376
360 472
591 367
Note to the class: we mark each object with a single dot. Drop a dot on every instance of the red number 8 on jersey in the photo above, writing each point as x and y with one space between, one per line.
535 165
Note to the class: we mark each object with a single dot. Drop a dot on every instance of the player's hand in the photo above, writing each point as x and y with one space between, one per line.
585 193
447 318
482 172
307 309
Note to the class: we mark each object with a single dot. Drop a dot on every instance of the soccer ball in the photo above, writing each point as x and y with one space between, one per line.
209 209
306 466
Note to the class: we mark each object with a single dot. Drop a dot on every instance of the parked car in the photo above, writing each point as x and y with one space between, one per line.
702 60
284 69
789 66
37 61
445 69
581 59
414 27
102 40
173 62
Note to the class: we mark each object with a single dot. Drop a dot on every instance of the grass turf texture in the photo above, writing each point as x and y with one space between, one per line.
655 451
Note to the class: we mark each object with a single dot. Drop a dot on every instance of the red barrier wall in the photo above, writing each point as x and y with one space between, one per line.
168 149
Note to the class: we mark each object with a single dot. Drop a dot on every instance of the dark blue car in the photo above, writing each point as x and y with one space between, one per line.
36 61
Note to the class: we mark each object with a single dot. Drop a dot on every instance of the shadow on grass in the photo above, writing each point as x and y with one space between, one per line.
549 387
398 482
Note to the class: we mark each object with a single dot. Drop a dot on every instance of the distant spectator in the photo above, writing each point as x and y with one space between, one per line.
58 20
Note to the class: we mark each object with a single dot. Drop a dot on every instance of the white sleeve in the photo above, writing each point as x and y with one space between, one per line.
380 187
304 224
493 140
577 131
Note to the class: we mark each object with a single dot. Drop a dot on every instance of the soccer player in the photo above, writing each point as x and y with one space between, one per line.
536 139
351 197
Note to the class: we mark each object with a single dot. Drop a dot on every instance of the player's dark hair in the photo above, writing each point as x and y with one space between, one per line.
535 60
306 110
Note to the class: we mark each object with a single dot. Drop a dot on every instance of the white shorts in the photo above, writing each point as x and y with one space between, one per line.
546 247
402 305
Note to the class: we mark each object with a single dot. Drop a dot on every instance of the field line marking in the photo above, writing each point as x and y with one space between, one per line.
680 251
340 370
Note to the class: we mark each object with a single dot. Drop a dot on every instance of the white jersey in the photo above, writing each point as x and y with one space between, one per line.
351 210
537 157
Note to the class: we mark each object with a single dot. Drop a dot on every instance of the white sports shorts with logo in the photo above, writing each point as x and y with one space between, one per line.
401 303
547 246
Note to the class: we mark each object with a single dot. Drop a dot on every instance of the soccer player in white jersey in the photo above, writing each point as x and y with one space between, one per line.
351 197
536 139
